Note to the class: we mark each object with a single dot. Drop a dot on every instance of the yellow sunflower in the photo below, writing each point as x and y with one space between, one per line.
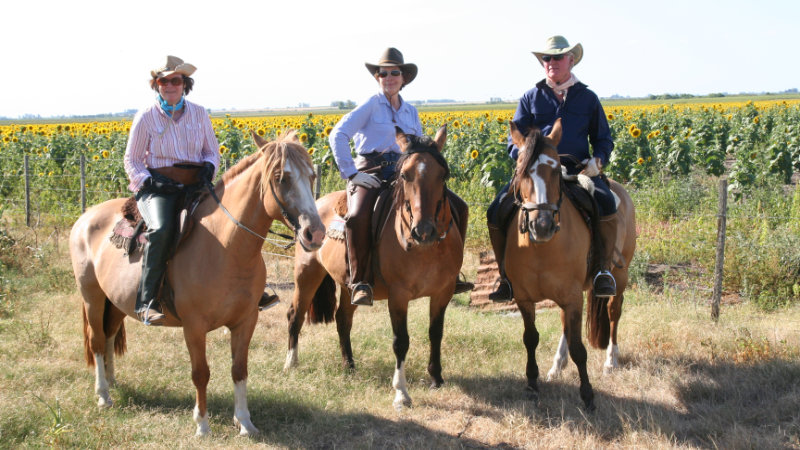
473 154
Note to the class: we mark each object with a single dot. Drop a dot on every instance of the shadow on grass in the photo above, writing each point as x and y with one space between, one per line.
720 405
703 404
294 423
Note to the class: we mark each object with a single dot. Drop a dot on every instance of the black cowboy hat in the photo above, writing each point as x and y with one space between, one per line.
392 57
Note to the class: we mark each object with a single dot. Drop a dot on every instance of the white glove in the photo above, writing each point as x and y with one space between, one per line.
592 168
366 180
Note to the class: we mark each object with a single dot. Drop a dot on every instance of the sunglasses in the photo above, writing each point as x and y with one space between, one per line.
394 73
177 81
547 58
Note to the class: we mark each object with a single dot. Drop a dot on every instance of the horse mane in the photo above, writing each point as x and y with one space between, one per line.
419 144
284 148
534 141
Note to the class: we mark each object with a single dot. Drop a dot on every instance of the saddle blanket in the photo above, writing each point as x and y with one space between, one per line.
336 229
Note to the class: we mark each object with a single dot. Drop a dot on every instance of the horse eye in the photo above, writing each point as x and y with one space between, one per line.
404 176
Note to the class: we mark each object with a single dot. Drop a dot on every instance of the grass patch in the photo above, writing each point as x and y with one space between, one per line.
684 382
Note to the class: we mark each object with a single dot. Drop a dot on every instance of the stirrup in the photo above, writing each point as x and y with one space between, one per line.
150 316
268 301
503 293
604 284
462 285
366 299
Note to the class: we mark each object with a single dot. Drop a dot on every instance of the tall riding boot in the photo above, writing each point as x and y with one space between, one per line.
503 293
604 284
153 268
158 212
461 212
358 241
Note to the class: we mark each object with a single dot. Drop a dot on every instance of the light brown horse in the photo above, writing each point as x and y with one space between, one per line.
217 273
419 253
549 259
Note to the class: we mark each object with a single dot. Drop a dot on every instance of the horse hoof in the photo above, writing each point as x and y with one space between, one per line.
436 384
607 370
532 393
246 428
401 403
590 407
104 403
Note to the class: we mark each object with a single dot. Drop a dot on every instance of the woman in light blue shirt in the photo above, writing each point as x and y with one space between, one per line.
371 127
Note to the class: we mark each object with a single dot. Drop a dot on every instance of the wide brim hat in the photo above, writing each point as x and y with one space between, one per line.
558 45
173 65
392 57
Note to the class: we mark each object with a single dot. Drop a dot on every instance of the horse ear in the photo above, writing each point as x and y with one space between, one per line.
555 132
260 141
516 137
441 137
401 138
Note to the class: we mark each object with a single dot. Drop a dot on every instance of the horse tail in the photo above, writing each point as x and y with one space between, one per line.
120 340
87 350
323 304
598 325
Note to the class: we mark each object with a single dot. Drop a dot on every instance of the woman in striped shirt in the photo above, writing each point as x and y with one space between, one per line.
169 132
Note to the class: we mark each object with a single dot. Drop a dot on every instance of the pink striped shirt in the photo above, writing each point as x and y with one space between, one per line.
158 141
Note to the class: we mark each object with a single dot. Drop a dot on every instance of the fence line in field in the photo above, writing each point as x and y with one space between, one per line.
66 209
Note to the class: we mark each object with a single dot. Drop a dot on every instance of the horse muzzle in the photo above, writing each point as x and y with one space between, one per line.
542 227
539 221
424 233
310 233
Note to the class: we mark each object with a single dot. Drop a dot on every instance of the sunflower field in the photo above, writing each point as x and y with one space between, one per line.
750 142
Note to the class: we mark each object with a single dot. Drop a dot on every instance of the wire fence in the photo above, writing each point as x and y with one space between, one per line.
54 192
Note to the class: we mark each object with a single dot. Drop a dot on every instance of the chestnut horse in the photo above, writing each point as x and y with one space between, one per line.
549 259
419 253
217 273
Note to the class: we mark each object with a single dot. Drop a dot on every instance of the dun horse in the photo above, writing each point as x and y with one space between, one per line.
217 273
419 253
549 259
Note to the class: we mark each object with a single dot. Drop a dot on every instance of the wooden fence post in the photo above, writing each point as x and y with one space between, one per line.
27 192
720 261
318 184
83 184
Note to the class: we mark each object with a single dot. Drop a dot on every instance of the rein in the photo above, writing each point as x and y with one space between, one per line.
236 222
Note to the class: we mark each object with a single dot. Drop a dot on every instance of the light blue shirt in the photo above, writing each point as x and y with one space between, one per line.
371 127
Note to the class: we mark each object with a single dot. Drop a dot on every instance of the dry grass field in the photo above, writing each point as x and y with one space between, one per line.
685 381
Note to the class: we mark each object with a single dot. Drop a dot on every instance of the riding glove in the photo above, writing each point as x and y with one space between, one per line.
206 173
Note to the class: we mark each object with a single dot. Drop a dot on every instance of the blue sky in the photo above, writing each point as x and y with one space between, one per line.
92 57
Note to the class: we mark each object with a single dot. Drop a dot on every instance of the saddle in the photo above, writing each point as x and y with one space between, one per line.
128 233
380 214
580 191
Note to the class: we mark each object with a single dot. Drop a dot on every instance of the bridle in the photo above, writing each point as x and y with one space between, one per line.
284 212
527 208
439 205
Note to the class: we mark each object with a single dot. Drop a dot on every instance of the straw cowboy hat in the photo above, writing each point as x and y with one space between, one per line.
173 65
558 45
392 57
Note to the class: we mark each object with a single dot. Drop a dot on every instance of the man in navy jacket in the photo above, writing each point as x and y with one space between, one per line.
561 96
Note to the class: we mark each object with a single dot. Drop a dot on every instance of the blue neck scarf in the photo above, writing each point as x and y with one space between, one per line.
167 108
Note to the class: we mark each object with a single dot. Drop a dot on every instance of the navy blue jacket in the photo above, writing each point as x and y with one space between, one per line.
583 121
